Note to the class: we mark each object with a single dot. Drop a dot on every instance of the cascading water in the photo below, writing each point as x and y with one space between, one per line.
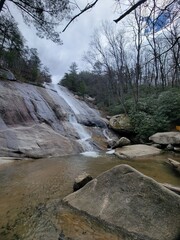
76 109
82 132
110 151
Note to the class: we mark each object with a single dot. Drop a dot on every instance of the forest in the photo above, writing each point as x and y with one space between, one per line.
134 69
16 56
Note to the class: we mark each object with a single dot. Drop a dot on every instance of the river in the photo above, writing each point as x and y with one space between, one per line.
31 192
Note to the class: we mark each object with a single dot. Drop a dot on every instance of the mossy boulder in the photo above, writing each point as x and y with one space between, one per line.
121 123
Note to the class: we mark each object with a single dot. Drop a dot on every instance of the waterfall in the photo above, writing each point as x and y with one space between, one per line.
82 132
76 109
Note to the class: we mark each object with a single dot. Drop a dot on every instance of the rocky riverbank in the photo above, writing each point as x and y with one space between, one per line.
37 122
168 141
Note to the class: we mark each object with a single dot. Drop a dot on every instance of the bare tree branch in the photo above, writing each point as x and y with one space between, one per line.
167 50
88 6
175 42
130 10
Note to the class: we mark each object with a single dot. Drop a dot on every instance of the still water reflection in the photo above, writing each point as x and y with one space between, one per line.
30 194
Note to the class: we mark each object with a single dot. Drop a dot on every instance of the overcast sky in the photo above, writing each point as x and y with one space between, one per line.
76 39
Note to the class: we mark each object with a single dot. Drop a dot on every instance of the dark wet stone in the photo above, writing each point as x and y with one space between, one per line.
81 181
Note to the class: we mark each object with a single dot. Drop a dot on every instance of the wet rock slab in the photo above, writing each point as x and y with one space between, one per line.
35 141
24 109
137 150
132 202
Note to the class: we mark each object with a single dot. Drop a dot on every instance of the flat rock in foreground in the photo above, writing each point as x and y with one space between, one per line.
137 150
133 203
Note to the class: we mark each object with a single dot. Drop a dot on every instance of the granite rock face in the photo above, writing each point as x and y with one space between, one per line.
133 203
35 141
34 121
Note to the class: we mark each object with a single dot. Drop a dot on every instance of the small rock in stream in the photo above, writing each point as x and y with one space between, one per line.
81 181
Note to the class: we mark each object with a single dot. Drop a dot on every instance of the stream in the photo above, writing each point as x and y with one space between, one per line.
31 192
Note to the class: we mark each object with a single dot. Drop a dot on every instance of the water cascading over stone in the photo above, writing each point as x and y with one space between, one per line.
42 122
79 111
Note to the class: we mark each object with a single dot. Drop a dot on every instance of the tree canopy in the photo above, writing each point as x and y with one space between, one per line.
17 57
47 15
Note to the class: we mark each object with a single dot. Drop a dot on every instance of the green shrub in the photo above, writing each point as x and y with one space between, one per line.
169 105
155 114
115 109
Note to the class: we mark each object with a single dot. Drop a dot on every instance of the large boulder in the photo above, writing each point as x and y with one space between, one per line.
166 138
136 151
121 123
123 141
135 205
35 141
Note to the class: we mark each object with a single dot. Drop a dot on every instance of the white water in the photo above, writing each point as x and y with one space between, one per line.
73 103
77 106
84 136
90 154
110 151
106 135
82 132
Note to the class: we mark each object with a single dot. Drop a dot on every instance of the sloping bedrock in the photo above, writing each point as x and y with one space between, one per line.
35 141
